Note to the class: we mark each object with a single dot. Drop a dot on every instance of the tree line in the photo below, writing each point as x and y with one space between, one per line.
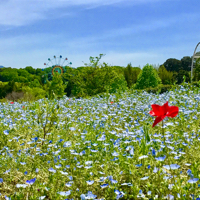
92 79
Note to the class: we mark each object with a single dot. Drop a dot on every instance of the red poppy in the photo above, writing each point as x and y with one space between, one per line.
80 107
112 102
11 102
163 111
23 106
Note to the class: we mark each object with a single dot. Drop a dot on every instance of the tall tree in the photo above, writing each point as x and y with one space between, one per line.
186 63
131 74
165 76
148 77
172 64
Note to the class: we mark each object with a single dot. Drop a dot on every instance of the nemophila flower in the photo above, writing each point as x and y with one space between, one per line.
90 182
7 171
172 166
193 180
65 193
30 182
6 132
1 180
141 157
155 170
161 158
52 170
64 173
42 197
153 152
104 185
163 111
144 178
21 185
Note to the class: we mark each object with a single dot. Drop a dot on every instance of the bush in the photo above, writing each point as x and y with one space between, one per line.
160 89
32 94
148 77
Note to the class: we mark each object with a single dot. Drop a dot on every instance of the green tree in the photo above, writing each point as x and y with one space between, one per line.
131 74
30 70
56 87
172 64
8 74
186 63
35 83
148 77
180 75
165 76
94 61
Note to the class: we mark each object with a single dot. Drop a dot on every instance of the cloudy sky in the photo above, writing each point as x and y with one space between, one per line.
126 31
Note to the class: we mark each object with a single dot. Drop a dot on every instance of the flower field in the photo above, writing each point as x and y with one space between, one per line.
101 148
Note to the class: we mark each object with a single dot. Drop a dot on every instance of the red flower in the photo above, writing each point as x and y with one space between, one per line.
23 106
112 102
11 102
163 111
80 107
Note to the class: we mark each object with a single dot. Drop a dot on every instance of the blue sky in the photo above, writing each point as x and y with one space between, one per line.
127 31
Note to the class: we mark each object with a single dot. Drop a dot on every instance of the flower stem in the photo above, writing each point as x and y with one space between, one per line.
163 131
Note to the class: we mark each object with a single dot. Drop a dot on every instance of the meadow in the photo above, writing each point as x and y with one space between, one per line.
103 147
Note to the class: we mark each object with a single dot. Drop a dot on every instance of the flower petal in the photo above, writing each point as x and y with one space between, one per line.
165 108
172 111
157 120
157 111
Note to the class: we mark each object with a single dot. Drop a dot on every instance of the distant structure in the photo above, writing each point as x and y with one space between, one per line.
194 57
57 66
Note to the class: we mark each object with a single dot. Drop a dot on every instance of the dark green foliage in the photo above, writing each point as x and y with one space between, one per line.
30 70
35 83
172 64
196 75
160 89
186 63
148 77
131 74
180 76
8 74
165 76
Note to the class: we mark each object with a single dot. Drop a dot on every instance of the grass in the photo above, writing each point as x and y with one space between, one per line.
100 148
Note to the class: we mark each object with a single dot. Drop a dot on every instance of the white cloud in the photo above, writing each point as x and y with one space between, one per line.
22 12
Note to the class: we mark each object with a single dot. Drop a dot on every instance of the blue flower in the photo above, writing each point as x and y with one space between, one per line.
153 152
90 182
52 170
194 180
6 132
104 185
161 158
65 193
30 182
1 180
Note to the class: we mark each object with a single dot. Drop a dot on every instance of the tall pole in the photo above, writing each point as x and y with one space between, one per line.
193 61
